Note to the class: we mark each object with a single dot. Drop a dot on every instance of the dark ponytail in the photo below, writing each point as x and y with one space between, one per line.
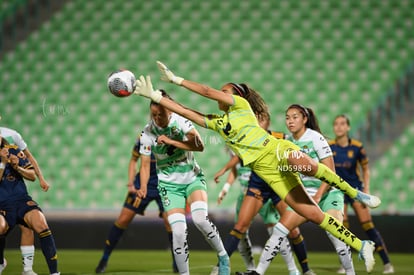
312 121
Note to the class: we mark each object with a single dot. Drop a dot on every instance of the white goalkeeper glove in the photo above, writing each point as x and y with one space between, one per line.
223 192
167 75
144 88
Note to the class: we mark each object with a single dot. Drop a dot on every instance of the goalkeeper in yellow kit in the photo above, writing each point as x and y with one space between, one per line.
275 161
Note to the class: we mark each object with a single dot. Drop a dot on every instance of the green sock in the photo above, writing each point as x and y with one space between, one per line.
327 175
338 230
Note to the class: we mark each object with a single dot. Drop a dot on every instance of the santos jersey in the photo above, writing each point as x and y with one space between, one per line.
13 137
12 185
315 145
174 165
240 130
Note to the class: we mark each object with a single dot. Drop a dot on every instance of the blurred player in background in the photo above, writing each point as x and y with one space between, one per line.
27 236
172 140
134 205
274 160
351 163
17 207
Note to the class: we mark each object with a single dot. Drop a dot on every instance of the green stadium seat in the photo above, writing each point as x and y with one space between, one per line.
315 54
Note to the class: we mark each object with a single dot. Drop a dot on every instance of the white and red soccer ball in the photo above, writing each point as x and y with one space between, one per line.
121 83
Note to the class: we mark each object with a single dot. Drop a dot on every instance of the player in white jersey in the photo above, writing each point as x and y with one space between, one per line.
305 132
172 140
27 238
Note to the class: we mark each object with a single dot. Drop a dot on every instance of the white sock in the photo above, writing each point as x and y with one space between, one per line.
272 247
286 253
180 245
344 254
206 227
28 252
245 250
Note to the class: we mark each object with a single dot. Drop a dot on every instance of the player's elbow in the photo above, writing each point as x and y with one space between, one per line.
198 145
200 148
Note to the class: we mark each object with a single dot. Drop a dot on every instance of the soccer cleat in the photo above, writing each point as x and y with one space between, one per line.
101 266
29 272
294 272
369 200
309 272
341 270
249 272
367 254
224 265
215 270
3 265
388 269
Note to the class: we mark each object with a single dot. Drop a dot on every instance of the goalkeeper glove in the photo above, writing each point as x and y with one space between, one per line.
167 75
144 88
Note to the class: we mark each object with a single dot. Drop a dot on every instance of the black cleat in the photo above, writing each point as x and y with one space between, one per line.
101 267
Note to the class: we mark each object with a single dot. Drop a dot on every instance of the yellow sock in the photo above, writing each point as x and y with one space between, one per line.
337 229
327 175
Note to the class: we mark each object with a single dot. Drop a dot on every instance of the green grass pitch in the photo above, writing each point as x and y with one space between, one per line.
157 262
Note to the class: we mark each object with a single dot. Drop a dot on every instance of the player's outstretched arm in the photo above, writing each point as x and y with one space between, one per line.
201 89
43 183
144 88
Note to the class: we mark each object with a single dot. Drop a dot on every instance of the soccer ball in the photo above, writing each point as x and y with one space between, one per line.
121 83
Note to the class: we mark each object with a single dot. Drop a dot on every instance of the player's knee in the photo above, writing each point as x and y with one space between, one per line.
199 213
3 231
178 227
3 226
39 226
294 233
199 218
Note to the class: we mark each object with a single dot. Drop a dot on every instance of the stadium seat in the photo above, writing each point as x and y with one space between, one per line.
323 54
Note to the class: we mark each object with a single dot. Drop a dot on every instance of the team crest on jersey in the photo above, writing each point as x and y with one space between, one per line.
350 154
175 131
305 149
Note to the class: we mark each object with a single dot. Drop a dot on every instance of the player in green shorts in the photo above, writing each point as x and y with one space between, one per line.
171 139
305 132
275 161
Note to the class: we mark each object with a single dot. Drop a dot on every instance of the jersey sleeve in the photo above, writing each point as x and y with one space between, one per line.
185 124
145 144
136 147
20 142
362 156
322 147
16 138
278 135
214 121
